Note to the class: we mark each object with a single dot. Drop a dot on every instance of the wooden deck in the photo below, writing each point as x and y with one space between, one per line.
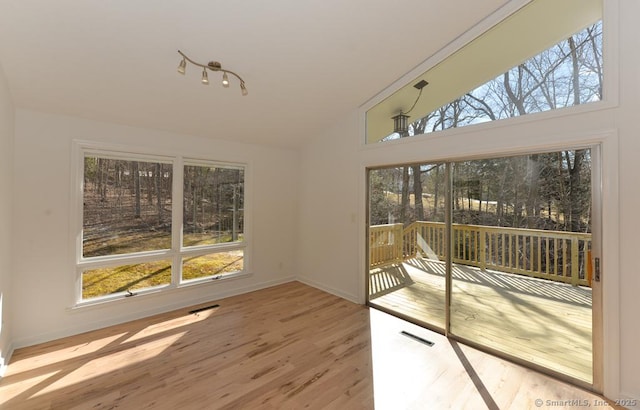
543 322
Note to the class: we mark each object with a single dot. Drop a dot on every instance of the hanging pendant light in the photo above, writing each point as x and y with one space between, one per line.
401 120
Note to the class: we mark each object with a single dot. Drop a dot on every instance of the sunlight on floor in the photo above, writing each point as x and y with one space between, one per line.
400 363
168 325
110 363
408 374
10 390
29 363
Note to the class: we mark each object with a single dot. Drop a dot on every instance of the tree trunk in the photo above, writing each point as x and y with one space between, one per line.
136 187
532 180
405 206
158 186
417 193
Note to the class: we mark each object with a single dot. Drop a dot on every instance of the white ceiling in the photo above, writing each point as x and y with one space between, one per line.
305 63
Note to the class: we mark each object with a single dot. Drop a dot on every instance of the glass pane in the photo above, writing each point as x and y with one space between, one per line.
521 244
213 205
126 206
213 264
567 74
406 241
106 281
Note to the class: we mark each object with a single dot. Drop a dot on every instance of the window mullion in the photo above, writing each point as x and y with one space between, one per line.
176 222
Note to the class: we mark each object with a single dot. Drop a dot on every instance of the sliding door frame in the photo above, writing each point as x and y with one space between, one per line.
598 326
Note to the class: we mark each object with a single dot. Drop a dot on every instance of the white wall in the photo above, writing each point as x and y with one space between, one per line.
43 275
333 186
6 165
329 212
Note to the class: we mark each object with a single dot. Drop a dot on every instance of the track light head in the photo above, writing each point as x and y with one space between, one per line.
243 88
182 68
225 80
205 77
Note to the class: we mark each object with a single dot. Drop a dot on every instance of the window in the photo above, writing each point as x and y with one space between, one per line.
156 222
212 215
538 59
569 73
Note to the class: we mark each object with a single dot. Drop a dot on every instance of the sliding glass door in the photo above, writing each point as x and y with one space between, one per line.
406 242
512 238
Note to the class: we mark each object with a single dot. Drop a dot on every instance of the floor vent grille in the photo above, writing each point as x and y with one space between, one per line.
417 338
204 308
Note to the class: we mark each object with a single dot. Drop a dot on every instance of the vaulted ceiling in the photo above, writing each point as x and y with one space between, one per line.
306 63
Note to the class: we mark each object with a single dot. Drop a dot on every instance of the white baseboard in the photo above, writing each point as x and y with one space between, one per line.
74 330
87 327
328 289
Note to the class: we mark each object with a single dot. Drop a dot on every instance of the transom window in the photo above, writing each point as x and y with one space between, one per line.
153 223
544 57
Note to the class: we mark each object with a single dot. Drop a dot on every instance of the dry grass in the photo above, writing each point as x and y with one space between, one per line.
213 264
105 281
109 280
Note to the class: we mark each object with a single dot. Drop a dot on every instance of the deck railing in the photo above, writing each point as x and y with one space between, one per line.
385 244
553 255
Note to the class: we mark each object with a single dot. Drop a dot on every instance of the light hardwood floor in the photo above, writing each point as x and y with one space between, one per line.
286 347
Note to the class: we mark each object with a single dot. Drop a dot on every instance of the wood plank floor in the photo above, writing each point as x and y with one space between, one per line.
546 323
286 347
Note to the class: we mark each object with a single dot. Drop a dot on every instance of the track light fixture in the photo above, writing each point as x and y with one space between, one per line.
213 66
400 121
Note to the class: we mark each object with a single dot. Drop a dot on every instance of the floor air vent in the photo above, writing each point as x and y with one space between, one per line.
204 308
417 338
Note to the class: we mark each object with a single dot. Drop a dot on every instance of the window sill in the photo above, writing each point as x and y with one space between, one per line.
165 290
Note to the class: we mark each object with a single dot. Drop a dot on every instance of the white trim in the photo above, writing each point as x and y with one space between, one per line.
610 265
486 127
610 51
201 250
134 314
123 156
187 161
177 229
561 140
337 292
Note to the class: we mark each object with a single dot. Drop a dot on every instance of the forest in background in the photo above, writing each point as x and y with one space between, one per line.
127 205
542 190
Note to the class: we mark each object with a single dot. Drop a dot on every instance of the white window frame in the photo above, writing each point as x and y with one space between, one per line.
201 250
176 253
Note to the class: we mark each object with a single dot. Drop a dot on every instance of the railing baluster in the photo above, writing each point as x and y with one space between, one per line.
574 262
483 254
555 257
539 267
